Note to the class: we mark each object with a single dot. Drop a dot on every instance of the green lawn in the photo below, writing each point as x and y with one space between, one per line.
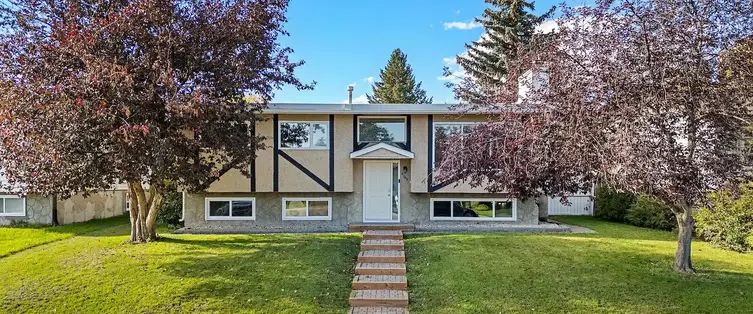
621 269
97 272
90 268
20 238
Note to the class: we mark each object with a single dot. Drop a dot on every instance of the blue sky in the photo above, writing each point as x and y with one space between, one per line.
346 42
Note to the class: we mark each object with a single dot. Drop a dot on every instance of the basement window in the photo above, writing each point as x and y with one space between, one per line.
317 208
473 209
12 206
237 208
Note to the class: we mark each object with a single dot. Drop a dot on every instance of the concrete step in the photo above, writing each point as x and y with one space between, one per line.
379 298
377 310
366 226
381 256
380 269
383 234
380 282
388 244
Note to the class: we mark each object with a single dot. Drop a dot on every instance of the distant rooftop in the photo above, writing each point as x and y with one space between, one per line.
292 108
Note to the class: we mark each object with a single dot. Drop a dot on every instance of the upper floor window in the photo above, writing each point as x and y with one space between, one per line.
304 134
382 129
442 131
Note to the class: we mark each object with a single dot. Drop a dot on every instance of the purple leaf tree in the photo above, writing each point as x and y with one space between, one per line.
144 92
645 96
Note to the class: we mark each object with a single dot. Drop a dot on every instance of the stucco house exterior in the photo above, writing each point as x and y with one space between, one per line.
328 167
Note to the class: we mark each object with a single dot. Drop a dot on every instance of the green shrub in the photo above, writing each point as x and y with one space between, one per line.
649 213
172 210
729 221
612 205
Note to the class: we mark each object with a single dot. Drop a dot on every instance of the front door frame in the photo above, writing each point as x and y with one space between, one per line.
363 196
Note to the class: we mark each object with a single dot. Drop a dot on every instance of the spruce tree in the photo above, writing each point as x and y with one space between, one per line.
508 24
398 85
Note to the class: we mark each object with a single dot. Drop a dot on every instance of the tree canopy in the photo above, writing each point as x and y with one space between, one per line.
636 99
97 92
397 84
508 25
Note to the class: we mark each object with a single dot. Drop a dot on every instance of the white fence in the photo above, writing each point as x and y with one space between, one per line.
580 205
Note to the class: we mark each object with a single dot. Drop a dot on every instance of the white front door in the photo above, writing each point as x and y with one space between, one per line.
381 186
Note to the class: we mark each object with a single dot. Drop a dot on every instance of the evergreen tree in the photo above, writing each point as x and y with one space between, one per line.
398 85
508 24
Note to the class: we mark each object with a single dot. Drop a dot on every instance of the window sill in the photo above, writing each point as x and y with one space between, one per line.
307 218
472 219
13 215
224 218
301 148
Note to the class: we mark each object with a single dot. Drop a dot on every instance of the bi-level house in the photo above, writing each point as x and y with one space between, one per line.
331 166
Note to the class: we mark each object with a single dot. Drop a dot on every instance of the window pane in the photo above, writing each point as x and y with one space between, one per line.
2 205
320 135
294 135
482 209
243 208
318 208
463 209
441 209
382 130
295 208
219 208
14 206
503 209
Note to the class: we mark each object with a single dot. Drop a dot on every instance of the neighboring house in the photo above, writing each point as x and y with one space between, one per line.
45 210
329 166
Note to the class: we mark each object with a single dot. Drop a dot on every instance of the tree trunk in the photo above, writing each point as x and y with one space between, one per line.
144 211
685 225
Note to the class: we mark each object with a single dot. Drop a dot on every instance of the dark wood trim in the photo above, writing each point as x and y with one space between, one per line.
304 170
407 132
430 145
355 132
331 153
252 163
275 158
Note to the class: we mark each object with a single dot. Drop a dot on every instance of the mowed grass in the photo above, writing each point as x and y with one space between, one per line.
620 269
98 272
19 238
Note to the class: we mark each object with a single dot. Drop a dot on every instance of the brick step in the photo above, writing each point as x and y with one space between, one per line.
383 234
381 256
380 282
382 245
364 227
380 269
387 298
377 310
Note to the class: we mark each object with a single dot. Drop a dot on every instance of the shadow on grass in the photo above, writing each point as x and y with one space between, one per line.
491 273
264 273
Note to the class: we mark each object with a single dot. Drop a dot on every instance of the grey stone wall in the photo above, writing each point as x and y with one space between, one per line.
38 212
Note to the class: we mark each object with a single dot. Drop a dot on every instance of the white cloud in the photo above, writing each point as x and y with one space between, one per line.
457 11
358 100
547 26
369 79
461 25
457 72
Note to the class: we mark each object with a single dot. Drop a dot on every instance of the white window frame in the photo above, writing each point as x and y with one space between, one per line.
434 137
358 127
23 204
307 200
492 200
229 199
311 137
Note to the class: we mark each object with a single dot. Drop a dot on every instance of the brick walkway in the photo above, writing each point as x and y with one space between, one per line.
380 285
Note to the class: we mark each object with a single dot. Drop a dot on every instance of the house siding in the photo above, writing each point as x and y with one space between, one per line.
38 212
